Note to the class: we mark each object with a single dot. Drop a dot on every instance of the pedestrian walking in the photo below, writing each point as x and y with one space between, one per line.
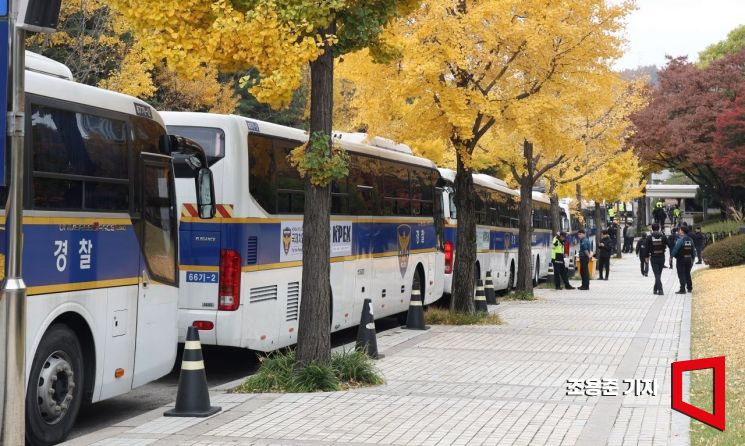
628 237
613 234
684 252
672 239
656 245
605 249
676 215
643 253
557 257
585 254
699 240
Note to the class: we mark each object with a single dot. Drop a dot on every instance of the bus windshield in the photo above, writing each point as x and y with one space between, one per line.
211 139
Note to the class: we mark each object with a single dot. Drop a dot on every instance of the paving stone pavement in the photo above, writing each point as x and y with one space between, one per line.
495 385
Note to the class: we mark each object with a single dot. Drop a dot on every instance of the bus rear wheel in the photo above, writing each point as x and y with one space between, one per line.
55 387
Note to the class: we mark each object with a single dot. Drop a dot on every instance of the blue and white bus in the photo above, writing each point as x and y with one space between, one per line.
497 232
241 272
100 247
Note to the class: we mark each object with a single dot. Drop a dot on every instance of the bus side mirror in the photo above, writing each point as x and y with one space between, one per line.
205 193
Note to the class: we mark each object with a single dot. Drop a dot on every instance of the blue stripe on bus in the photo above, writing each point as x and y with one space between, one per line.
503 239
60 254
200 242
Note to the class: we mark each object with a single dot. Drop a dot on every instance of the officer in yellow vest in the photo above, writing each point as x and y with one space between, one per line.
611 214
557 257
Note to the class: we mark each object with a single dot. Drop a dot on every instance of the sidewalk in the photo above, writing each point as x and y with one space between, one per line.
503 385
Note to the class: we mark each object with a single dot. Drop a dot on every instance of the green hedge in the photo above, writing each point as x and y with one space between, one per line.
726 252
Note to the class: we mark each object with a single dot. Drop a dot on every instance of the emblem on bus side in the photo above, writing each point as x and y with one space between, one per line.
507 240
404 242
286 239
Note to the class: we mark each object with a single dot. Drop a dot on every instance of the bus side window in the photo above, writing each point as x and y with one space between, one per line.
261 167
80 161
396 189
422 192
364 196
290 186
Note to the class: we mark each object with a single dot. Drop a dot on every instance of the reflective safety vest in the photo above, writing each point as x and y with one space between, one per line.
676 212
687 250
658 244
557 249
659 204
611 212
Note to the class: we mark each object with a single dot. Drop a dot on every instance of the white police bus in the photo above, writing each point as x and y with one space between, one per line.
241 272
100 247
497 232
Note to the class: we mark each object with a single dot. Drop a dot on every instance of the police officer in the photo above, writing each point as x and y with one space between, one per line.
698 242
643 253
656 246
585 254
557 257
684 252
676 215
672 239
605 248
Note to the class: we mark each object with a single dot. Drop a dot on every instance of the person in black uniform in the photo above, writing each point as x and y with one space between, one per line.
656 246
643 253
671 240
605 248
684 253
698 241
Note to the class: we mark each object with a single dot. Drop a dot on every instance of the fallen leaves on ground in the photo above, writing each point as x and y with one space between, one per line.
718 326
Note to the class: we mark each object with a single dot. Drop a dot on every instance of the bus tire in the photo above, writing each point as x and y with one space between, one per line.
55 388
511 282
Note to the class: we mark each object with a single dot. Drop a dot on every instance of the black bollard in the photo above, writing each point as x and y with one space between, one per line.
192 398
480 298
415 317
366 339
491 295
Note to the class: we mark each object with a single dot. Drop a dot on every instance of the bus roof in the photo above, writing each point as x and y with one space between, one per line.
58 88
541 198
346 140
483 180
44 65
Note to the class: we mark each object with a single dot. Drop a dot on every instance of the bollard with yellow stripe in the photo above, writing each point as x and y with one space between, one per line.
193 398
491 295
480 299
415 316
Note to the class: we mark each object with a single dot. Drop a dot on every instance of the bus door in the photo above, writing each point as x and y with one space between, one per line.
157 301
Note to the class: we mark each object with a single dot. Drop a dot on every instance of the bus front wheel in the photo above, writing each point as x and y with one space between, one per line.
55 387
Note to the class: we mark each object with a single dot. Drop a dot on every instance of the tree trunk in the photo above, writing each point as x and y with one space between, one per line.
314 328
579 207
465 246
555 213
525 223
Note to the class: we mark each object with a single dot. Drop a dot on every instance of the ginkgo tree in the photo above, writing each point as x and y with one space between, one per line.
471 79
95 43
278 39
602 129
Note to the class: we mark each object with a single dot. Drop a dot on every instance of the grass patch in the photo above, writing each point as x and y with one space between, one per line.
718 315
277 374
520 295
441 316
722 226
